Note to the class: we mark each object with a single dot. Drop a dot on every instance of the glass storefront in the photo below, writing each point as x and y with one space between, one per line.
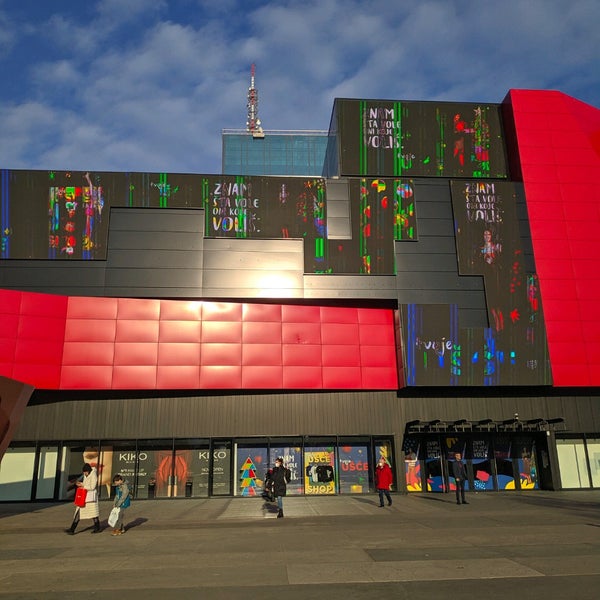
194 468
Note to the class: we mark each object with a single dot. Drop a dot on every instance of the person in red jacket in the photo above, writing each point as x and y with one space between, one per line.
383 481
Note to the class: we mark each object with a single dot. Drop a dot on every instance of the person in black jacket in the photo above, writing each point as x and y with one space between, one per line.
281 477
459 472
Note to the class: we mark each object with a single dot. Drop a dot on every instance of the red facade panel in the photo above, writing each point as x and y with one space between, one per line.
114 344
569 176
80 307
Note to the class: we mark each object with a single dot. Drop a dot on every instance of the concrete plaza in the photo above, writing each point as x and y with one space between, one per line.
524 544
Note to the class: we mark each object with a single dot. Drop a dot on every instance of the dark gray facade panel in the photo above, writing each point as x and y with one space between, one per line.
427 210
428 245
338 228
250 245
426 263
159 277
337 208
157 220
151 240
436 228
184 291
37 276
438 281
160 259
337 189
253 280
264 261
464 299
351 283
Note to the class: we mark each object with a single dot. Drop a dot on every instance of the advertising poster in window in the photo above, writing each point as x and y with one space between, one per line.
433 466
353 469
526 463
483 477
319 471
412 464
292 459
251 467
504 464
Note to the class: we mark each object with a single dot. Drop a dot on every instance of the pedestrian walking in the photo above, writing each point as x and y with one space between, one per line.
88 507
383 481
281 477
121 503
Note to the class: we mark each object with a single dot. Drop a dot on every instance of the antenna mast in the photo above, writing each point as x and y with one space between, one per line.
253 124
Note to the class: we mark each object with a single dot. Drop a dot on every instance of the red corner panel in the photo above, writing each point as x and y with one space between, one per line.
558 143
56 342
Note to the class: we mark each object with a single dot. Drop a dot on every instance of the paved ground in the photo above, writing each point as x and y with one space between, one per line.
524 544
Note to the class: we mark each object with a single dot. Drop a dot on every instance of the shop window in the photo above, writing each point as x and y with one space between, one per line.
16 474
572 463
354 467
593 448
291 451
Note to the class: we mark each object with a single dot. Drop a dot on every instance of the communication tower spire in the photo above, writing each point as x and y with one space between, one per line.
253 124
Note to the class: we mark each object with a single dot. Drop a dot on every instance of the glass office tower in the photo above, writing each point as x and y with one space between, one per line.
277 153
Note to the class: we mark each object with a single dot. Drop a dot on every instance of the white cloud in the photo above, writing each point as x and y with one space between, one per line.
149 84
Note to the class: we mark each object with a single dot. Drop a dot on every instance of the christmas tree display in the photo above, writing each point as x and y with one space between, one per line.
248 478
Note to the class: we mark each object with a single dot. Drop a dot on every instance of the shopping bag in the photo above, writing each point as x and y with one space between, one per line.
92 496
113 517
80 496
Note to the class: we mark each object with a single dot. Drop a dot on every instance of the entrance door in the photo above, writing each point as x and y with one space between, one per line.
220 468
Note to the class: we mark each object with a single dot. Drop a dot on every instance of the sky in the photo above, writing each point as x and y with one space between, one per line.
149 85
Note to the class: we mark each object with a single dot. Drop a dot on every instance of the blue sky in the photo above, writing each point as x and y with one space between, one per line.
148 85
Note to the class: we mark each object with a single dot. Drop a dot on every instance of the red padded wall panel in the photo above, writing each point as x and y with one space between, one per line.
178 310
261 355
142 331
301 333
262 377
87 354
107 343
300 314
221 354
180 331
302 378
301 355
177 377
138 309
172 354
136 353
342 378
262 313
96 308
221 311
257 332
340 356
221 332
86 378
220 377
134 377
339 333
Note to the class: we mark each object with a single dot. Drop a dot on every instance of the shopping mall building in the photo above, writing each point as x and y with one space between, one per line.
436 288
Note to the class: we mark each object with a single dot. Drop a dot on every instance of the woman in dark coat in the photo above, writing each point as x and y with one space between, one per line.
281 477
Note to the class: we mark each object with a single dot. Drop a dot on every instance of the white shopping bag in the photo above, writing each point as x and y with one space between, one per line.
114 516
